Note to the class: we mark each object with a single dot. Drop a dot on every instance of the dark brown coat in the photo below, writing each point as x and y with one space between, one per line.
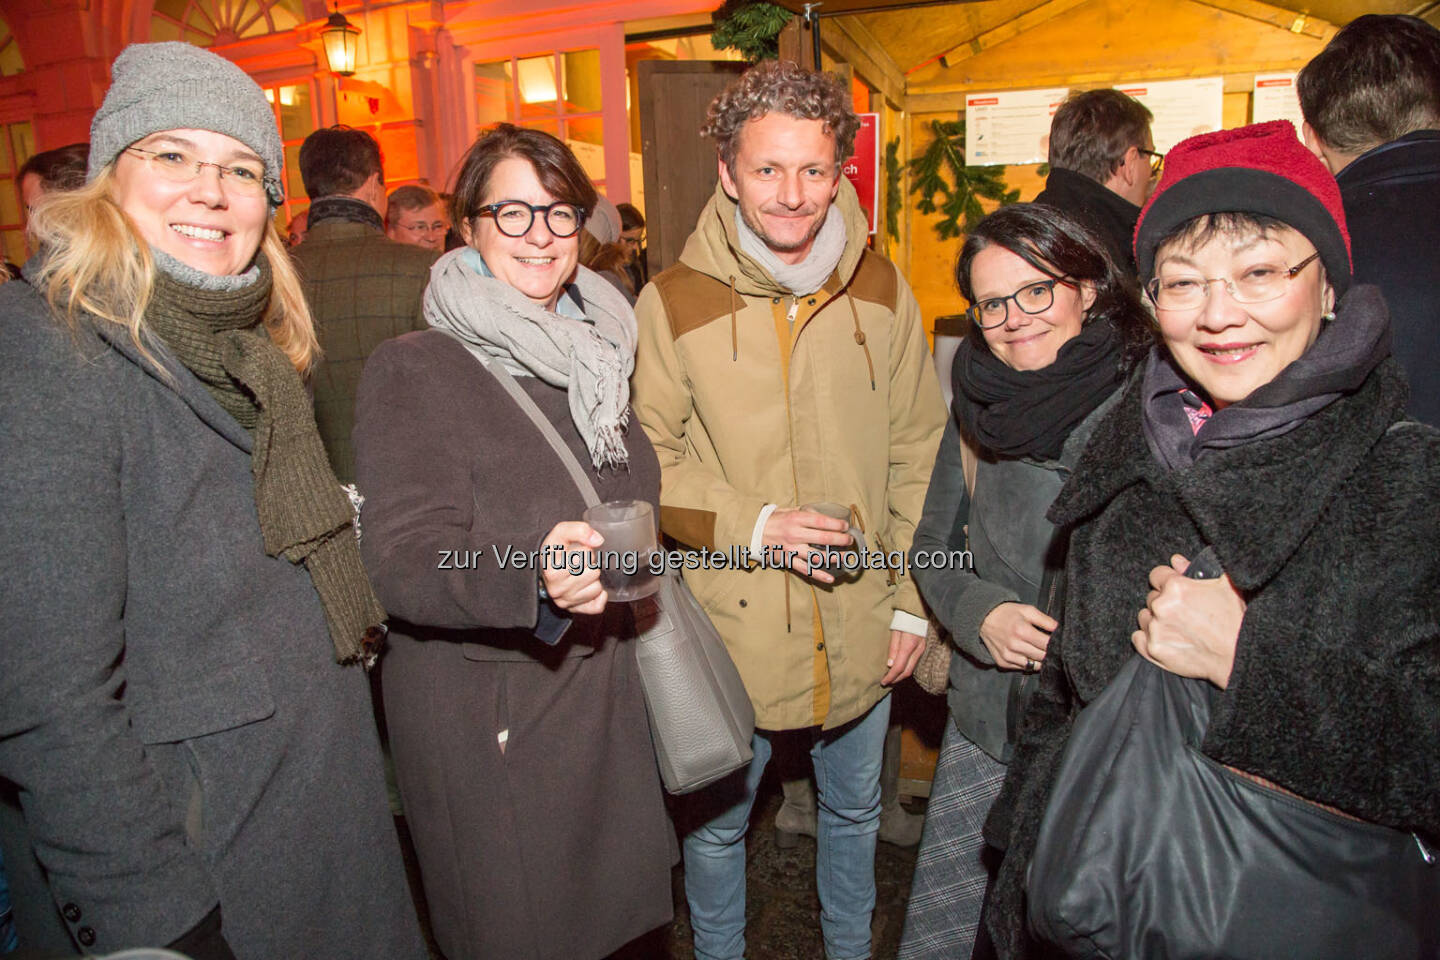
559 847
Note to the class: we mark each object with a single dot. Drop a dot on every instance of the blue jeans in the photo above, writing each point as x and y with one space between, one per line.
847 780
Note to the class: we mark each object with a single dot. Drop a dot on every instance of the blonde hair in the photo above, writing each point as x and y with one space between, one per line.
96 262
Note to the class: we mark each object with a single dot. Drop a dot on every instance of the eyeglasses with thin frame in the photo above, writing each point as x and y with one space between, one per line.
1258 283
1035 297
1157 160
514 218
423 228
245 177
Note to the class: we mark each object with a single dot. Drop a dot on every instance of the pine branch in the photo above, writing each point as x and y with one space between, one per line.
893 197
751 28
941 172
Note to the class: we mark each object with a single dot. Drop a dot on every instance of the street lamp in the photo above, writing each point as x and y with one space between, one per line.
339 36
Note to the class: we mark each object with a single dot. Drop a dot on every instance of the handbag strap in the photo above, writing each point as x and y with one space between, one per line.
542 423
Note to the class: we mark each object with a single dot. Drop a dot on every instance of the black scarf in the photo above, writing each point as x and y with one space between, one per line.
1030 413
304 514
345 208
1337 363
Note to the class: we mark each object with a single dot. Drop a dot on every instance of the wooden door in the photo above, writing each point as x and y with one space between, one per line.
680 171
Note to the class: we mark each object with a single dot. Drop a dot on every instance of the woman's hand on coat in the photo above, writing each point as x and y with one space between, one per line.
573 592
1190 627
797 531
1017 635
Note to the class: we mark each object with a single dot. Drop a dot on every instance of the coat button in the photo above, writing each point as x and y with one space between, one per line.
820 645
86 936
744 603
860 338
812 301
70 912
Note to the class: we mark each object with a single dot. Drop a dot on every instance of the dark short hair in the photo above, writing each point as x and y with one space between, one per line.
1059 246
1377 80
630 216
1092 130
555 166
60 169
412 196
338 160
781 86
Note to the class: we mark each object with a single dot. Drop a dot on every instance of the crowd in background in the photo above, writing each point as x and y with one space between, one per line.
1189 438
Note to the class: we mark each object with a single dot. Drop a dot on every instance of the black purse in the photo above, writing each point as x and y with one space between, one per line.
1149 849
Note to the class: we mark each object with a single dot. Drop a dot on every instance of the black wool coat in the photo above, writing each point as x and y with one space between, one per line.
1107 214
1330 532
1391 195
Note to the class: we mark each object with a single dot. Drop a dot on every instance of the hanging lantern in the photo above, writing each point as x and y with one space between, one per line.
340 44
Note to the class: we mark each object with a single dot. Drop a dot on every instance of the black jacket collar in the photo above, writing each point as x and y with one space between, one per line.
1097 207
1415 155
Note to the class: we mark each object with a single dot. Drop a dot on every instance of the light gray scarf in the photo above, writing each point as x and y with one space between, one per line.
590 356
810 274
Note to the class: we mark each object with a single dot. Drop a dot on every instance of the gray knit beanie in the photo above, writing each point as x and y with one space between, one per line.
177 86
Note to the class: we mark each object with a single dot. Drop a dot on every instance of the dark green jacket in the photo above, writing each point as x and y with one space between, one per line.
363 288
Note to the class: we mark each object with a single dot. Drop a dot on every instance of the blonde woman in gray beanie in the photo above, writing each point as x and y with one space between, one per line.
186 742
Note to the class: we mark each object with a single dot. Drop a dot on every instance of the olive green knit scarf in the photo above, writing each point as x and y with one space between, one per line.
305 516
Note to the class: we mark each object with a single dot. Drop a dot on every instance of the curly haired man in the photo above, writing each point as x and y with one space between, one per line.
782 364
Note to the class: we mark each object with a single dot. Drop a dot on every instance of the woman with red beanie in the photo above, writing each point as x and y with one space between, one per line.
1269 424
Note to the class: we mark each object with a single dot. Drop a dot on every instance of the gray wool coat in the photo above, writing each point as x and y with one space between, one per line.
174 731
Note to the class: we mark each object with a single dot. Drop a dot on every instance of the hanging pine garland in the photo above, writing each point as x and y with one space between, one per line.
893 197
941 171
751 28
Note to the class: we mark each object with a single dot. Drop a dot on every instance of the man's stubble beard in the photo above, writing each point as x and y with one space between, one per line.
776 246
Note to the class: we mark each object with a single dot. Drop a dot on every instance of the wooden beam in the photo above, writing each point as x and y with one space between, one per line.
848 40
1008 30
1238 77
1288 20
795 43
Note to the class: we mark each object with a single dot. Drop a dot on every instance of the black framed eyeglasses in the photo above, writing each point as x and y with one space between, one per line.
1157 160
1032 298
514 218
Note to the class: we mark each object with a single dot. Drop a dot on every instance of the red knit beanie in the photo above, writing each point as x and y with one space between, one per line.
1262 169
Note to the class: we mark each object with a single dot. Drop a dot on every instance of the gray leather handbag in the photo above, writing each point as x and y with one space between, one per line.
701 718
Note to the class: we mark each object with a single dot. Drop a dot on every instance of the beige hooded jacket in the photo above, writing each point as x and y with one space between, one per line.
746 407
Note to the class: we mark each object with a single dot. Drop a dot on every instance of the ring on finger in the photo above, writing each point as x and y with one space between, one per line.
1031 666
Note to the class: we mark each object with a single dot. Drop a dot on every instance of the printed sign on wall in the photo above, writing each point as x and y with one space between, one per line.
1010 127
1276 99
1182 108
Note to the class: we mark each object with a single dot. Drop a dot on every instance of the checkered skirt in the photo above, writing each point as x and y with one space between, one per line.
943 915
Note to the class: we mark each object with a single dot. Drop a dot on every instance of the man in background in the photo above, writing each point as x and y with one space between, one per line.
1102 166
632 238
1371 101
60 169
417 215
362 287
